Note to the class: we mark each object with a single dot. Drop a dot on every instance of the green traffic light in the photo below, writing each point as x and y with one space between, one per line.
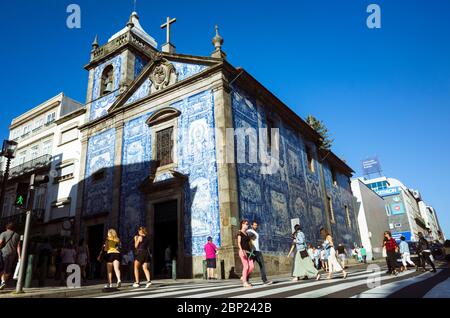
19 200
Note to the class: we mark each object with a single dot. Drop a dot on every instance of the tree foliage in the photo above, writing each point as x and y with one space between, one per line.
322 130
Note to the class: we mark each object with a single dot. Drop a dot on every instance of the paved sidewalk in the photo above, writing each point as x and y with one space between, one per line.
96 287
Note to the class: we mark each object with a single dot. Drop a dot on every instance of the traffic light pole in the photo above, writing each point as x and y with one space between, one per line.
24 254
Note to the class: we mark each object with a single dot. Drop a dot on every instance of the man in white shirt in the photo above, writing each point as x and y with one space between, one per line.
258 255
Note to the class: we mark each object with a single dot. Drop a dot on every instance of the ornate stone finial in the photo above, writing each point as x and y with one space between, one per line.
130 23
95 43
218 42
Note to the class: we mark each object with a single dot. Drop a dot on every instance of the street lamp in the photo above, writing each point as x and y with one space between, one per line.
8 151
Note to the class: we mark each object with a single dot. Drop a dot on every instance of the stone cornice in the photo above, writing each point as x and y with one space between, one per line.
126 41
70 116
163 92
17 122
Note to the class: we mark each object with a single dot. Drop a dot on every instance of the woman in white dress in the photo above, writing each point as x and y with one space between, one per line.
328 245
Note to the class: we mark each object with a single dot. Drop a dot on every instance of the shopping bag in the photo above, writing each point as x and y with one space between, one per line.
16 272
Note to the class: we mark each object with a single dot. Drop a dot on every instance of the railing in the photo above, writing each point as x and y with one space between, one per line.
31 165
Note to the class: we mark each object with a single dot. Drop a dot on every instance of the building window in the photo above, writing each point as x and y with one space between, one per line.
270 126
107 82
388 210
66 173
35 152
164 146
26 130
50 118
330 209
397 225
310 158
334 177
347 214
47 147
69 135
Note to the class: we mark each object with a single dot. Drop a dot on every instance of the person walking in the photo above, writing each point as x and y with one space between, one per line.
406 255
342 254
333 264
423 249
391 250
112 257
245 253
210 251
10 251
316 257
324 259
83 258
363 254
142 259
253 231
303 267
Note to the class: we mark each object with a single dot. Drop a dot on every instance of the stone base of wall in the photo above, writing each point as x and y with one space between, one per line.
275 265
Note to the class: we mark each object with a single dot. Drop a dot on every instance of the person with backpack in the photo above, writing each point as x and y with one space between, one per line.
406 255
423 249
10 251
142 259
303 267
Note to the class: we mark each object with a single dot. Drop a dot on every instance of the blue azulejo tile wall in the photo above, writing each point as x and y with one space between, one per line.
196 159
100 105
274 199
100 157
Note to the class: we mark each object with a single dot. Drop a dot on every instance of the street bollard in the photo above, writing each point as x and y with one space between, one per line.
205 275
174 269
29 273
222 269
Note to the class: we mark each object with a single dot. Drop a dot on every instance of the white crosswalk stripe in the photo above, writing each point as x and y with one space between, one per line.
357 285
384 291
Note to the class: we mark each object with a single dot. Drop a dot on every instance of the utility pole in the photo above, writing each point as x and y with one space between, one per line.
34 181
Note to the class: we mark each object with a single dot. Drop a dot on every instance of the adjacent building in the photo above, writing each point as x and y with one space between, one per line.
48 143
373 220
407 212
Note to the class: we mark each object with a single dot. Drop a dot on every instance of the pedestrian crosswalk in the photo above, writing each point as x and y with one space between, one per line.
359 284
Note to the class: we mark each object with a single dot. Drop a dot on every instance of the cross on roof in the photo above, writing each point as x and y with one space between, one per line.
167 27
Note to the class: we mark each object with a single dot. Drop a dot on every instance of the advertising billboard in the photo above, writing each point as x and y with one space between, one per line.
371 165
396 236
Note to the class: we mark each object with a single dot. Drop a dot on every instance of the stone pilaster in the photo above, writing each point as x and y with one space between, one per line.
228 195
80 187
117 179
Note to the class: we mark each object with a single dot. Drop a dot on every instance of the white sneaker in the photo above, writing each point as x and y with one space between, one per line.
2 286
148 285
119 284
136 285
107 286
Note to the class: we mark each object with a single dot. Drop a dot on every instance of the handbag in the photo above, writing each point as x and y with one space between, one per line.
251 254
304 254
16 271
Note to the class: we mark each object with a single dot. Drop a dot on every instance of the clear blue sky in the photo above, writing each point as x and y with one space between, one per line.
381 92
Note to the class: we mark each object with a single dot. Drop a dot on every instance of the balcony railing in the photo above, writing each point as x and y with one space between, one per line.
37 163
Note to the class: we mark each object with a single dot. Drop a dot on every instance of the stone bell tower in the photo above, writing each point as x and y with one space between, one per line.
114 65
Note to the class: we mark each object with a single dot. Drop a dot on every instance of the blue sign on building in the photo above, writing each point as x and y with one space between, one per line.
396 236
388 191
